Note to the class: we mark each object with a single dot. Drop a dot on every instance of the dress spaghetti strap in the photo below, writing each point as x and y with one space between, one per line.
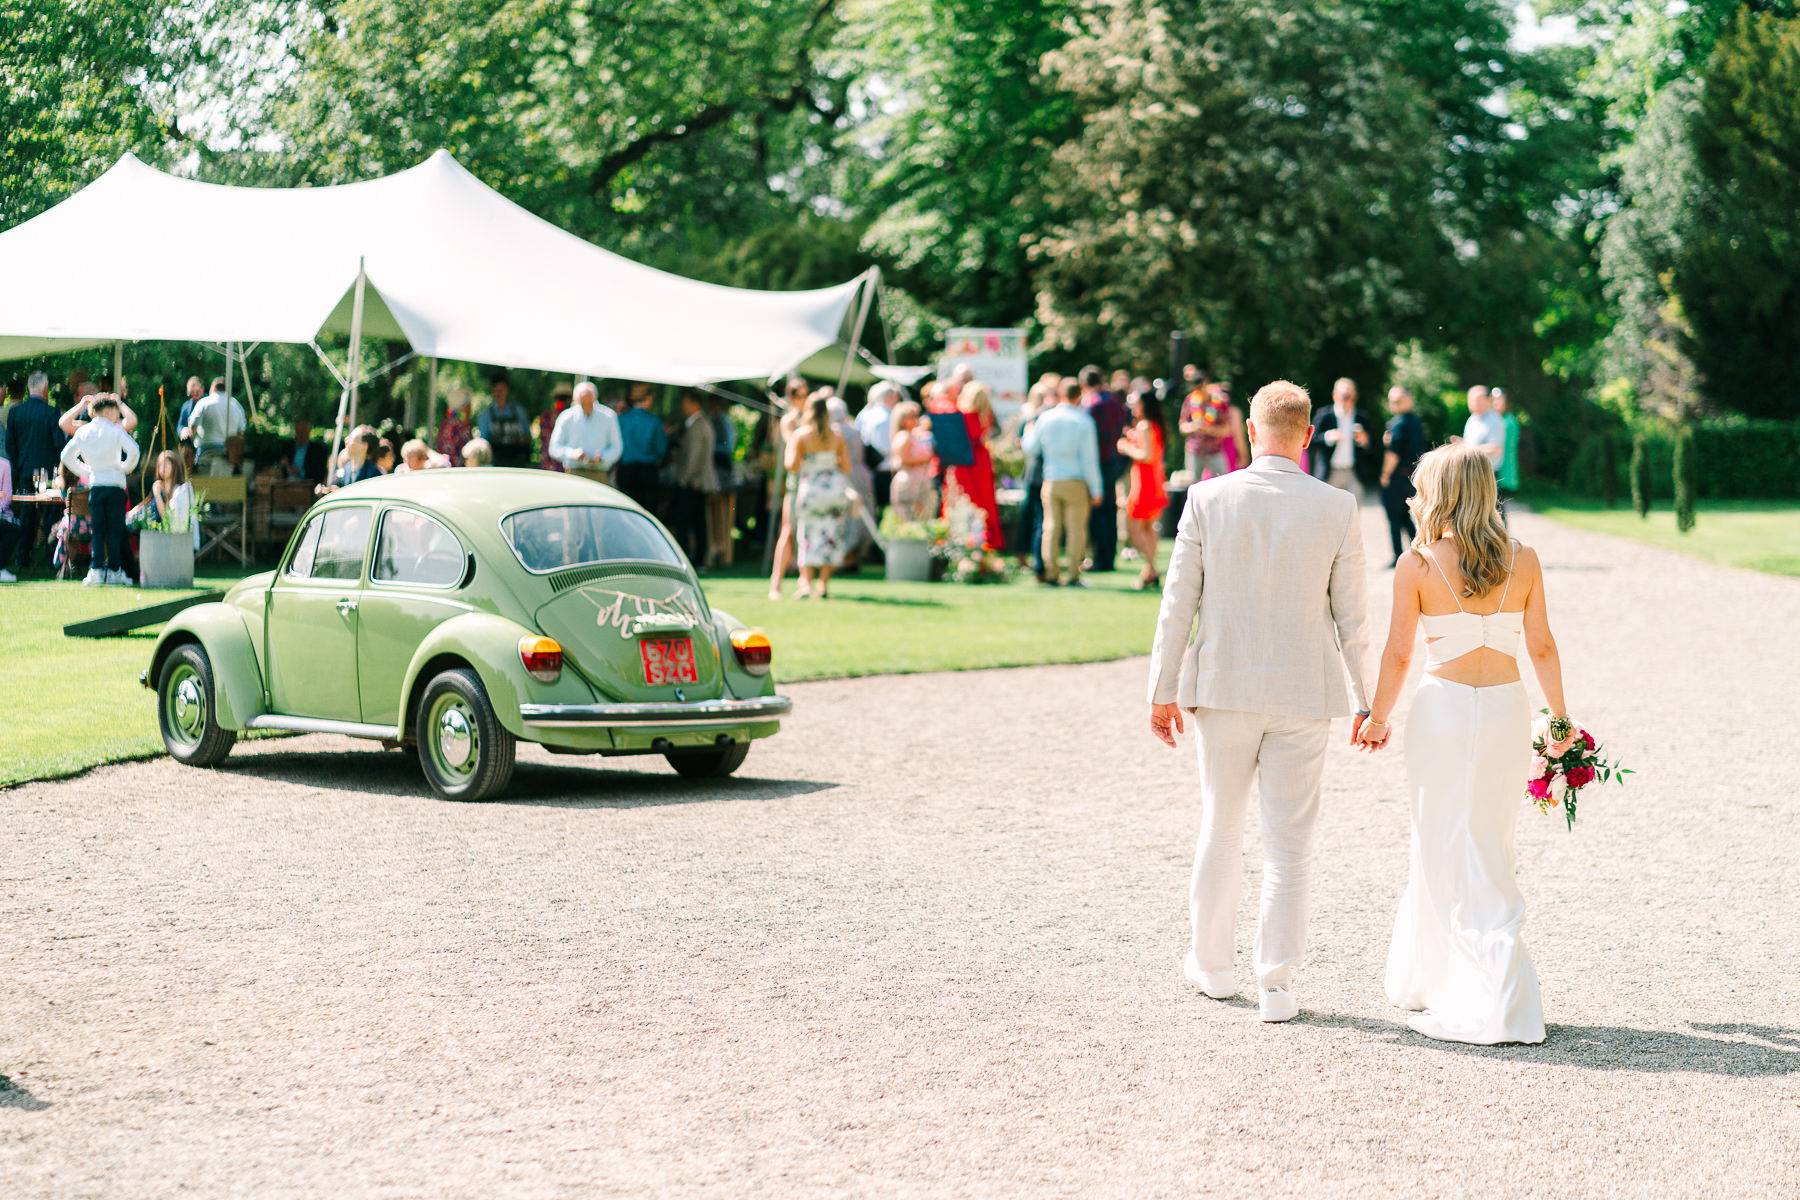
1447 583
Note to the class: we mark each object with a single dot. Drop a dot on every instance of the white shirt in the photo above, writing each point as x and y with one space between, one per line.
579 438
1343 439
1488 429
217 418
102 451
874 423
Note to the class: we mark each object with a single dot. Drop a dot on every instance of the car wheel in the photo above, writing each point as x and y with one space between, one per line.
187 709
465 752
714 762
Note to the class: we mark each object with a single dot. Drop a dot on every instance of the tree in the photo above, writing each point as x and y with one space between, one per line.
1686 480
1738 269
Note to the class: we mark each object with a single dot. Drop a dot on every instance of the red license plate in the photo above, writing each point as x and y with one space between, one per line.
668 660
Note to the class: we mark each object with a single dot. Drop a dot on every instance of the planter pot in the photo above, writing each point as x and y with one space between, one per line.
909 560
166 560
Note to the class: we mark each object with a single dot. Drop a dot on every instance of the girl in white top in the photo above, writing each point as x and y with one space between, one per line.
170 503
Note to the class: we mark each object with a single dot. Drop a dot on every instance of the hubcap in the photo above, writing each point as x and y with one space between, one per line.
186 706
453 743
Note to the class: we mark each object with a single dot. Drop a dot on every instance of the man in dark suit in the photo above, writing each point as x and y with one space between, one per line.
1111 418
305 459
1405 445
1344 454
34 442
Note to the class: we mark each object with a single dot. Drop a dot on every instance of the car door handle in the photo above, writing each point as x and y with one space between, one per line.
346 606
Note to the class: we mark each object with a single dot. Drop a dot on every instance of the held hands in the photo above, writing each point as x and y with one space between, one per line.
1165 722
1369 735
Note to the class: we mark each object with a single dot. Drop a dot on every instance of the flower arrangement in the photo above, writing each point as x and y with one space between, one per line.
967 556
1556 782
897 527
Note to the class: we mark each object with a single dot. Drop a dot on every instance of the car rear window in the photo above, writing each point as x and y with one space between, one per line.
549 539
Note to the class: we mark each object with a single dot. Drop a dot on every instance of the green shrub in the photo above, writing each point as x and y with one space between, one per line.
1685 479
1609 470
1640 475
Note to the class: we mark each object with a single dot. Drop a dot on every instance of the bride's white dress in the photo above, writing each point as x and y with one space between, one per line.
1457 960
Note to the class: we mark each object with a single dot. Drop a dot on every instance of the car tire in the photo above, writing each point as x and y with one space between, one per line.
187 709
463 749
713 762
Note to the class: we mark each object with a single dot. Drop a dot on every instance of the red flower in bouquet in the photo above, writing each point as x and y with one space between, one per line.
1580 777
1538 789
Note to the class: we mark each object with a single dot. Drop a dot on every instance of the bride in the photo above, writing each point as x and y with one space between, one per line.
1457 961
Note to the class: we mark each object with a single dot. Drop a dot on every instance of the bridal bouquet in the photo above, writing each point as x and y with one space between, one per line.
1556 782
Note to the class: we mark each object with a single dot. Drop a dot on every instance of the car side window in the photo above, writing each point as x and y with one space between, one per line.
337 550
414 548
301 565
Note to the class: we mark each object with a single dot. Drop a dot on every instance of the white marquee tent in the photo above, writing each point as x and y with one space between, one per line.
430 255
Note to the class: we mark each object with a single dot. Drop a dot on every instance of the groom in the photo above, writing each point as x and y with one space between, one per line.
1271 561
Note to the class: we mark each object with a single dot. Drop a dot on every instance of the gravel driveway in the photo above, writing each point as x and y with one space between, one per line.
928 946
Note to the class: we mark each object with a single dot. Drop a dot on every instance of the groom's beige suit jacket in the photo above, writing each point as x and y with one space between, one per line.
1271 562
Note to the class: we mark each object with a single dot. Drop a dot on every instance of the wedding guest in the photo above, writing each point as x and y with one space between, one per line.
477 453
819 458
10 528
506 426
1485 429
170 502
78 415
1067 438
454 431
1341 445
106 454
1506 471
215 421
72 531
34 443
1029 533
586 437
14 393
1404 443
359 459
561 396
1214 430
862 482
196 392
1148 496
1107 411
913 493
781 433
415 455
976 482
305 460
643 444
721 506
695 478
875 426
386 457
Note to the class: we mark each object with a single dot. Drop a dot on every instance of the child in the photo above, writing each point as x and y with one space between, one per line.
107 454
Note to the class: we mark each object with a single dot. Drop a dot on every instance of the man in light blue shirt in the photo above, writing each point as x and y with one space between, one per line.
1485 429
1069 443
586 438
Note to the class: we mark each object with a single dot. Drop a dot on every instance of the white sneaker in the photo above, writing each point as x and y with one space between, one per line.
7 576
94 578
1278 1004
120 578
1217 984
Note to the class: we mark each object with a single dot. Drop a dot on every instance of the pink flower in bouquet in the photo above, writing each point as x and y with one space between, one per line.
1538 789
1540 767
1580 777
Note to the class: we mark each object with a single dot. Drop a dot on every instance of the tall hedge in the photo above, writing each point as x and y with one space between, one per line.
1609 470
1640 475
1686 480
1733 460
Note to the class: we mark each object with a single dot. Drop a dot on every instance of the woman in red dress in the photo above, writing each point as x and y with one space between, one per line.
1143 445
977 482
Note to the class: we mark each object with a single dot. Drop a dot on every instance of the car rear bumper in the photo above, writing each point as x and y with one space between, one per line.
699 714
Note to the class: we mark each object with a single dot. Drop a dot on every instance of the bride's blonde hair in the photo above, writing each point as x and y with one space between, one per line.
1458 498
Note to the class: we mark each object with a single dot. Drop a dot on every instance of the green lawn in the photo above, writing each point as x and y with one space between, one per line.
76 703
1760 535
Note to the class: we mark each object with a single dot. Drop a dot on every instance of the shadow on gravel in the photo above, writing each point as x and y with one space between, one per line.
1614 1048
13 1095
377 773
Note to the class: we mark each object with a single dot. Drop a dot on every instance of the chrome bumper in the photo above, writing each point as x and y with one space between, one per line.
700 714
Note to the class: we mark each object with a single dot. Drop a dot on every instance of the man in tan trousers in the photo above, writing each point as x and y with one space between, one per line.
1069 442
1269 561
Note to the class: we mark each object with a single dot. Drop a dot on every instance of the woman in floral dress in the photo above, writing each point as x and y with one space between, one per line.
820 458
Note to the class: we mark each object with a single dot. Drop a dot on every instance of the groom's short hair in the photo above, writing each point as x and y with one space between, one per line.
1282 409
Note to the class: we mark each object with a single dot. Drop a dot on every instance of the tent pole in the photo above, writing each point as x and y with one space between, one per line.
356 315
870 280
228 368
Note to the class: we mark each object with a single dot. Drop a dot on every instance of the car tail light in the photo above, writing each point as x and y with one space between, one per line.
542 658
753 650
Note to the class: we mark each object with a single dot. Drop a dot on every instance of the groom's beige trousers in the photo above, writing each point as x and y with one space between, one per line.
1287 756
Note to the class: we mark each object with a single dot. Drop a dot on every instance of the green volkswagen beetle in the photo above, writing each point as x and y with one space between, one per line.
454 613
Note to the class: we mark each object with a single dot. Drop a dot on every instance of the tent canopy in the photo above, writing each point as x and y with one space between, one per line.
452 267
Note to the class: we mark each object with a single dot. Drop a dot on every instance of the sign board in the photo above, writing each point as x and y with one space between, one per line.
998 359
